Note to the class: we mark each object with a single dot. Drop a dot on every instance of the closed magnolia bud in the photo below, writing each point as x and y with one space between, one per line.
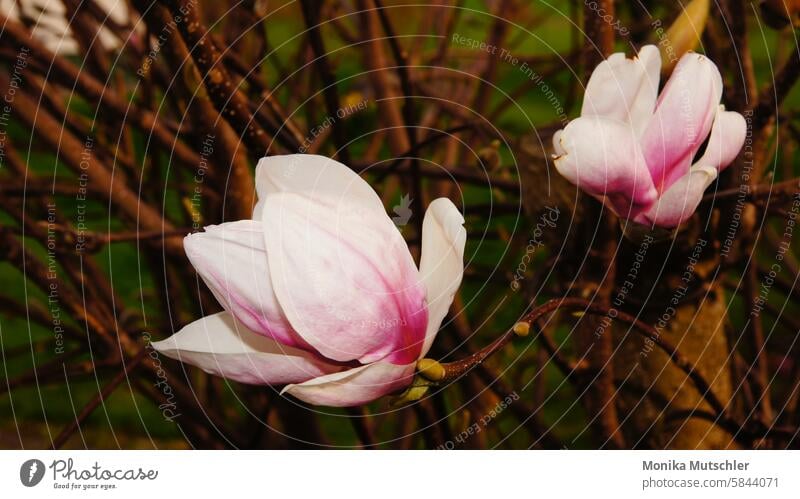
684 34
635 151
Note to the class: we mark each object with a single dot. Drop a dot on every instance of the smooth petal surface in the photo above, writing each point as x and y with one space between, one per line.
682 120
603 158
319 178
441 265
623 89
346 281
232 260
222 346
726 140
681 200
559 151
355 386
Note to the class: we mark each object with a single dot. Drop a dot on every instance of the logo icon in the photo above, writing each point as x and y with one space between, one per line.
31 472
403 211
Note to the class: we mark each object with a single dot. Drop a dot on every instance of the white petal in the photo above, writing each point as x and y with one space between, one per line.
346 282
557 147
316 177
220 345
232 260
681 200
682 119
602 157
441 264
624 89
355 386
727 137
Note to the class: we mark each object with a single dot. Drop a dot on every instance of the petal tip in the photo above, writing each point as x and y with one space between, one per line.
167 346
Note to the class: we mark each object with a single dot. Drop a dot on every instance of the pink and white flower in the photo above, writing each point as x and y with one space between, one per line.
320 291
634 149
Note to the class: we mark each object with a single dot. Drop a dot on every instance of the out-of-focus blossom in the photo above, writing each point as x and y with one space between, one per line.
635 150
320 291
50 22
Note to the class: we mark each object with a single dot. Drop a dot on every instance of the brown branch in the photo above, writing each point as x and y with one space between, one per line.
765 107
645 330
359 419
456 369
409 122
93 404
755 332
60 69
781 191
385 91
289 133
92 242
599 34
311 14
231 170
229 101
14 252
497 34
82 160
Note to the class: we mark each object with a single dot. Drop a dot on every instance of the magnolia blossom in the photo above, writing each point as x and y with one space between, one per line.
634 149
320 291
50 24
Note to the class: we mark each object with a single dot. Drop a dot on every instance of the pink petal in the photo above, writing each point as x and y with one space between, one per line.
345 279
355 386
602 158
726 140
623 89
682 120
681 200
323 179
222 346
232 260
442 262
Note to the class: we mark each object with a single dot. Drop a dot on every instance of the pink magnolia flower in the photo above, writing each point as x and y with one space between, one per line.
634 149
320 291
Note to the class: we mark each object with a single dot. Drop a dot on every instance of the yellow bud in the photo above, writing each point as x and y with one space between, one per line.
352 99
490 156
521 329
413 394
416 390
684 34
430 369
